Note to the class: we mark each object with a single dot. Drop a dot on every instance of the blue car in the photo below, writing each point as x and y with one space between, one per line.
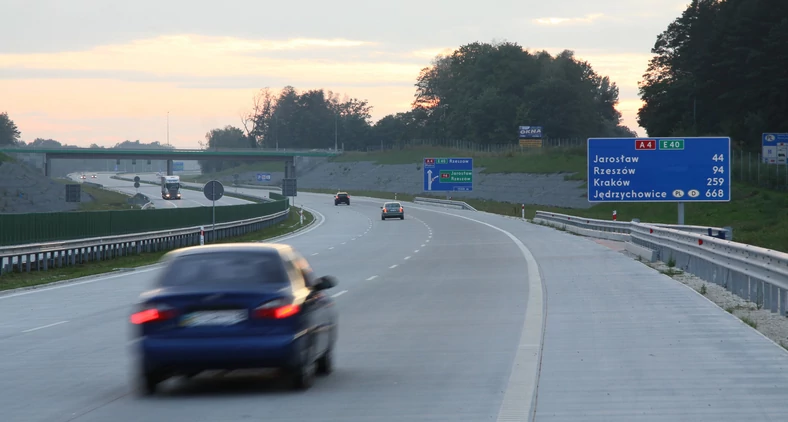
235 306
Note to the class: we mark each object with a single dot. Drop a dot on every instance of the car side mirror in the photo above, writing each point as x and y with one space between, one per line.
326 282
381 207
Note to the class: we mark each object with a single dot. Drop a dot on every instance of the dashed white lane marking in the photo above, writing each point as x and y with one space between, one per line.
316 253
372 278
344 243
331 248
416 251
353 238
44 326
423 245
393 266
339 293
427 241
407 257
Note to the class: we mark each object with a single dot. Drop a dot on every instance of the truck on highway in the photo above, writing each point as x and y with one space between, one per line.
170 187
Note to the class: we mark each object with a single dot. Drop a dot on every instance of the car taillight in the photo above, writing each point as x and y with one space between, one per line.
384 210
336 197
400 209
276 309
152 314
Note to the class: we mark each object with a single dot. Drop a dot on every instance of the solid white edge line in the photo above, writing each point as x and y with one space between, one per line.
44 326
524 378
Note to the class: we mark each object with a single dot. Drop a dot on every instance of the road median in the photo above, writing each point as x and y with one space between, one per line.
10 281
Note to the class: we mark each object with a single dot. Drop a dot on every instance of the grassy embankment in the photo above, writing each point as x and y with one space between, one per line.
755 213
35 278
103 200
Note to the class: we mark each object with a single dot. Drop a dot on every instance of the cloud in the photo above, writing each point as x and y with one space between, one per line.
211 57
568 21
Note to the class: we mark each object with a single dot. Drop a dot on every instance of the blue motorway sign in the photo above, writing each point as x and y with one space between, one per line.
448 174
177 166
530 132
263 177
659 170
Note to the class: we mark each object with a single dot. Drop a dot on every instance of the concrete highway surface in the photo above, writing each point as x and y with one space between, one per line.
441 319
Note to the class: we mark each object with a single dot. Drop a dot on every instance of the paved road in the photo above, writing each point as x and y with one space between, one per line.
439 321
189 198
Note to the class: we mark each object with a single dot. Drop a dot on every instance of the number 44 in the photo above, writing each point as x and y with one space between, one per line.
718 157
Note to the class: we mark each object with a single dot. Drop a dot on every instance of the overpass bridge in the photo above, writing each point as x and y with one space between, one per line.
239 154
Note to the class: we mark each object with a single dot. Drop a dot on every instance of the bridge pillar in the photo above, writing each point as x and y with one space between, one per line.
47 166
169 168
290 170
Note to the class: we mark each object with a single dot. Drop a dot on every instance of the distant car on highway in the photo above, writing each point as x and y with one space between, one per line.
392 210
82 176
235 306
93 176
342 198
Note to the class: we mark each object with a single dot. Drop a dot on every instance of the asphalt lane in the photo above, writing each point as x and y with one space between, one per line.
430 314
189 198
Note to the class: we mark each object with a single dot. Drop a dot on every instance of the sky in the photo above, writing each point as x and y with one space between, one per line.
102 71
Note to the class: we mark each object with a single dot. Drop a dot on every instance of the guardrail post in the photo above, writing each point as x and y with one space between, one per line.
202 235
728 232
523 211
301 212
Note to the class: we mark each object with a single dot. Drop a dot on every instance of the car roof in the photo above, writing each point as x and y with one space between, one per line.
341 193
392 202
231 247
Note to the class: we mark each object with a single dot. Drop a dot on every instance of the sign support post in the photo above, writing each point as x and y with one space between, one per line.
681 213
213 191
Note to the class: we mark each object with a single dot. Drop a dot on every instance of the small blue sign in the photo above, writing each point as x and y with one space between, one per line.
530 132
263 177
775 148
448 174
177 166
659 169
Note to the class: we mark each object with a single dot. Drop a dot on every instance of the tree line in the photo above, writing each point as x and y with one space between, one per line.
480 93
721 68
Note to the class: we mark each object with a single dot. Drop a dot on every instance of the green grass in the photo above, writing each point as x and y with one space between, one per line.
544 161
266 167
6 158
103 200
36 278
756 214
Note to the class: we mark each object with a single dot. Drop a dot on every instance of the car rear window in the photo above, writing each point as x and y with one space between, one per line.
393 206
342 195
224 269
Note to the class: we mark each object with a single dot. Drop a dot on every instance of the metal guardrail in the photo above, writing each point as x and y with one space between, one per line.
753 273
42 256
625 227
444 202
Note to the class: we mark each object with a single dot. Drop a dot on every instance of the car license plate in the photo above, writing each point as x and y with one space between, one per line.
213 318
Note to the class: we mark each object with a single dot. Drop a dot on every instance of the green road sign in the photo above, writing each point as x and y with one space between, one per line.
671 144
456 176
